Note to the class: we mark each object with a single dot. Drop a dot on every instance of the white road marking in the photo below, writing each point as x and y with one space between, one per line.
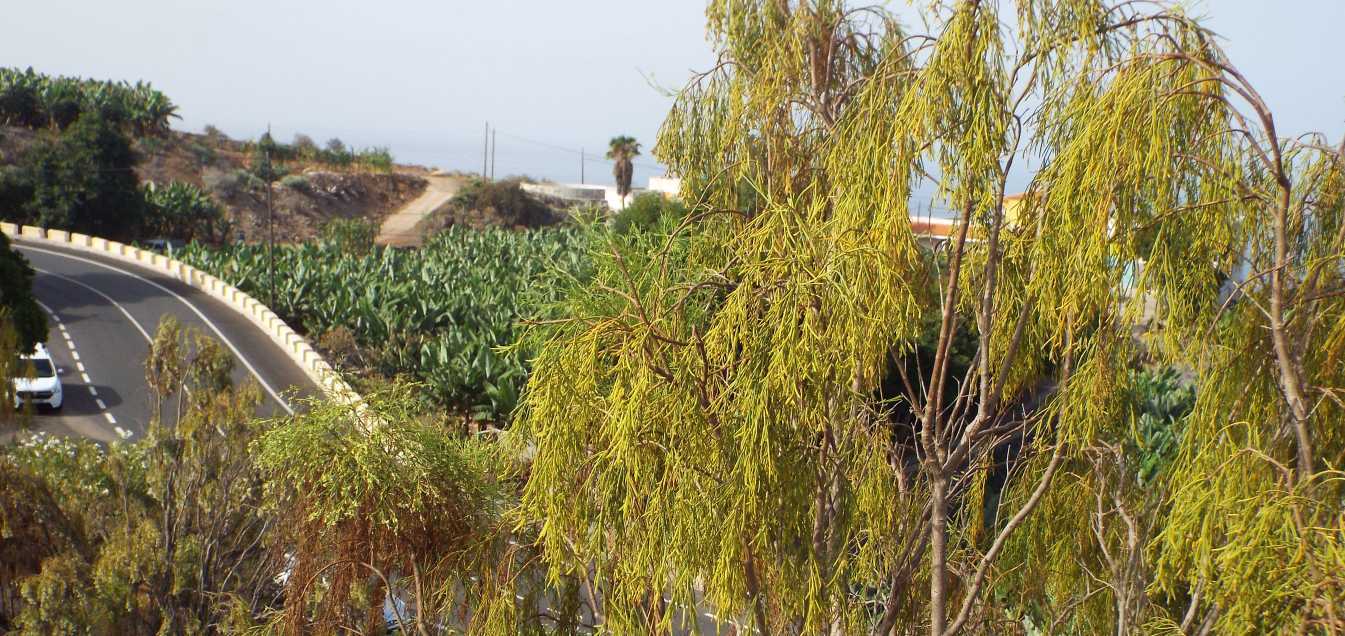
207 321
70 344
135 323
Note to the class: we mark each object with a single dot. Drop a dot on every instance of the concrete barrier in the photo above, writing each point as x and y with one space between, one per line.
305 356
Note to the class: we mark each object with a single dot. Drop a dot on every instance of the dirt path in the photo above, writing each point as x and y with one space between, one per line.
400 229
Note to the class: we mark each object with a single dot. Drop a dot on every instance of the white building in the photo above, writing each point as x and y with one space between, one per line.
669 187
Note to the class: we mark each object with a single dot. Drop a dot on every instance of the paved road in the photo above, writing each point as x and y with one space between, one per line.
402 228
102 313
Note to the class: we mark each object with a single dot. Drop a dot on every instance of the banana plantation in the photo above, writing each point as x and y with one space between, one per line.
35 100
442 314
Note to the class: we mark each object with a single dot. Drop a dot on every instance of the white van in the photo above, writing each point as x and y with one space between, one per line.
35 380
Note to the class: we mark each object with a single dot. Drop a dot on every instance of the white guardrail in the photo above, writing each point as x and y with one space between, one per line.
298 349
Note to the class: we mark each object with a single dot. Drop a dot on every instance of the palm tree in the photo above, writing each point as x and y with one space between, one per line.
622 150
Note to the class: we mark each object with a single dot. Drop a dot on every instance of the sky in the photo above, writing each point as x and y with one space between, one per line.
552 77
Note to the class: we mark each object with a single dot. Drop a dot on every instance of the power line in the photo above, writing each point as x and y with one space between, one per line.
574 151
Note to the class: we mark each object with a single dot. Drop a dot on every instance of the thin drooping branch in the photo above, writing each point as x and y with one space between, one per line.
972 595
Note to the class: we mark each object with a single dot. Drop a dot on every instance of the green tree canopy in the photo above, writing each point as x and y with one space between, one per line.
83 181
18 306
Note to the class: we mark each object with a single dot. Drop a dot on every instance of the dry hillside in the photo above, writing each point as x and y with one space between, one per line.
311 196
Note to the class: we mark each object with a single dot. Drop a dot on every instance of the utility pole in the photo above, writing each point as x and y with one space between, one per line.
485 152
582 158
492 154
270 219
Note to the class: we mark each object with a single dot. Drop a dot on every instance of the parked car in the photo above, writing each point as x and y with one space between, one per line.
36 381
165 246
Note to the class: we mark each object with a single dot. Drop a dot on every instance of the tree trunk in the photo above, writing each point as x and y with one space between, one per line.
938 570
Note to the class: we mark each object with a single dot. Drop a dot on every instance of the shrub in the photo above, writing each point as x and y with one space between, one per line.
349 236
1162 401
646 212
296 182
304 147
339 345
504 202
181 210
16 189
379 159
336 153
203 154
214 134
231 184
19 310
266 158
151 145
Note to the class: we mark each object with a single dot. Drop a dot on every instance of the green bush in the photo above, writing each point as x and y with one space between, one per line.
481 203
1162 402
203 154
296 182
354 237
377 159
181 210
336 153
233 183
646 211
304 147
18 307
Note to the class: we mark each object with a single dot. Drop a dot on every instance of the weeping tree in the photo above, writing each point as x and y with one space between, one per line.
767 411
384 516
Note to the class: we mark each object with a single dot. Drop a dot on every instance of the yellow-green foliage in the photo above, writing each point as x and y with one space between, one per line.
366 496
707 422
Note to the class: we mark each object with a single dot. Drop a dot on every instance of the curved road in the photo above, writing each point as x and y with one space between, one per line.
102 313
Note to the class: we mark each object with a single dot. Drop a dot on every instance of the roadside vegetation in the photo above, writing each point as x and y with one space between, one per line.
21 318
1113 408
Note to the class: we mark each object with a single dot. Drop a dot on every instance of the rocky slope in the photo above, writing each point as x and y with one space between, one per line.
304 202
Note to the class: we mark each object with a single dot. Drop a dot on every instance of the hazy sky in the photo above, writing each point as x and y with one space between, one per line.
423 77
